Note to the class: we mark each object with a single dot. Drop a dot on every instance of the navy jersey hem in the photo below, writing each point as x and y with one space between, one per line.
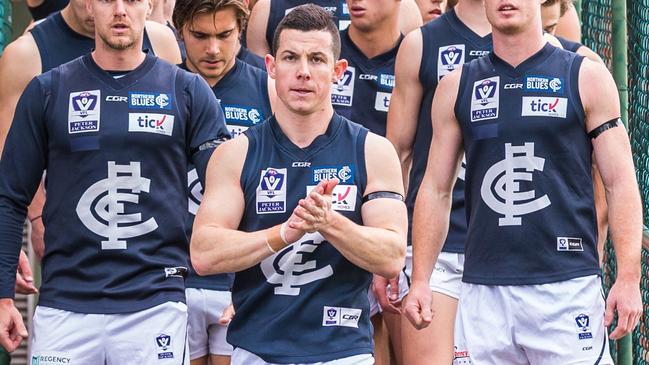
114 307
331 356
530 280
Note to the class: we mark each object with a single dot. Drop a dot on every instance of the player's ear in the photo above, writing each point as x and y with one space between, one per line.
339 69
89 8
150 8
270 66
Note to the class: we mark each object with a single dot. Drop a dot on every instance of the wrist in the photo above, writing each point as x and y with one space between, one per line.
276 237
4 302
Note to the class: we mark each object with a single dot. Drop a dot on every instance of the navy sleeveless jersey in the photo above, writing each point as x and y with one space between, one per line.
307 303
363 93
447 43
529 189
279 8
250 58
57 43
243 95
569 45
116 153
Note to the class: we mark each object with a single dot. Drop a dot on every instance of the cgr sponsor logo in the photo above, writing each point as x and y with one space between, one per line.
477 53
116 98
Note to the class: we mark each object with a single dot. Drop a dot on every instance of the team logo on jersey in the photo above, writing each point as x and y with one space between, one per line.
569 244
382 101
84 111
195 191
148 100
343 173
386 80
583 327
544 84
543 106
151 123
501 185
163 344
343 197
340 316
234 113
342 91
101 207
290 270
345 8
461 174
51 358
485 100
271 191
449 58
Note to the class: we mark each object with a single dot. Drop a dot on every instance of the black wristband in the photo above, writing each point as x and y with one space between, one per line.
604 127
382 195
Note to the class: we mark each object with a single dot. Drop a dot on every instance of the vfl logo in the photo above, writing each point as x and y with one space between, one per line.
106 218
345 81
83 102
449 58
272 182
342 91
583 325
290 271
485 91
195 192
163 342
503 179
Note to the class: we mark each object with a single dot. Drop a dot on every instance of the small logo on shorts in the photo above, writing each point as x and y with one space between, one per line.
583 326
51 358
569 244
163 341
460 356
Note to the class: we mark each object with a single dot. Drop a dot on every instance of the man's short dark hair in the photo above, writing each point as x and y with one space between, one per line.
564 4
308 18
186 10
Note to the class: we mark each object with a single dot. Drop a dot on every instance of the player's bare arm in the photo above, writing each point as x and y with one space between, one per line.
405 101
612 151
433 205
256 32
163 42
18 65
379 245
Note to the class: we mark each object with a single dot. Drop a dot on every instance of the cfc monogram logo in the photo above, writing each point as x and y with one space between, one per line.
106 218
289 269
504 180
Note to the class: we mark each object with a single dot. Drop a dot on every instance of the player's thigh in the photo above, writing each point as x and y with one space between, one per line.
59 336
146 337
563 323
381 340
219 360
393 325
434 344
216 303
203 360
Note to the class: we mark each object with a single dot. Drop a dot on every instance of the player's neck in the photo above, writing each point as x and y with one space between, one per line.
516 48
118 60
303 129
75 23
377 41
472 14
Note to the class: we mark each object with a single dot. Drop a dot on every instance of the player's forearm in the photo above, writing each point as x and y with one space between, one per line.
625 219
378 250
429 230
216 250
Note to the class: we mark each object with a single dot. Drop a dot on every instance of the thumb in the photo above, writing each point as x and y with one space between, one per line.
611 303
331 184
19 325
24 268
426 311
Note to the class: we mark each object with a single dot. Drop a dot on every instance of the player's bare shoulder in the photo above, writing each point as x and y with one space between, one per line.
22 58
163 42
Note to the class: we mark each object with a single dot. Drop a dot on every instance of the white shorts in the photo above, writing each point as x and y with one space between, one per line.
205 334
447 274
549 324
154 336
243 357
375 307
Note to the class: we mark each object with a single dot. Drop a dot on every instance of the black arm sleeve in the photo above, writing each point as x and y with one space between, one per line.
206 126
21 168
